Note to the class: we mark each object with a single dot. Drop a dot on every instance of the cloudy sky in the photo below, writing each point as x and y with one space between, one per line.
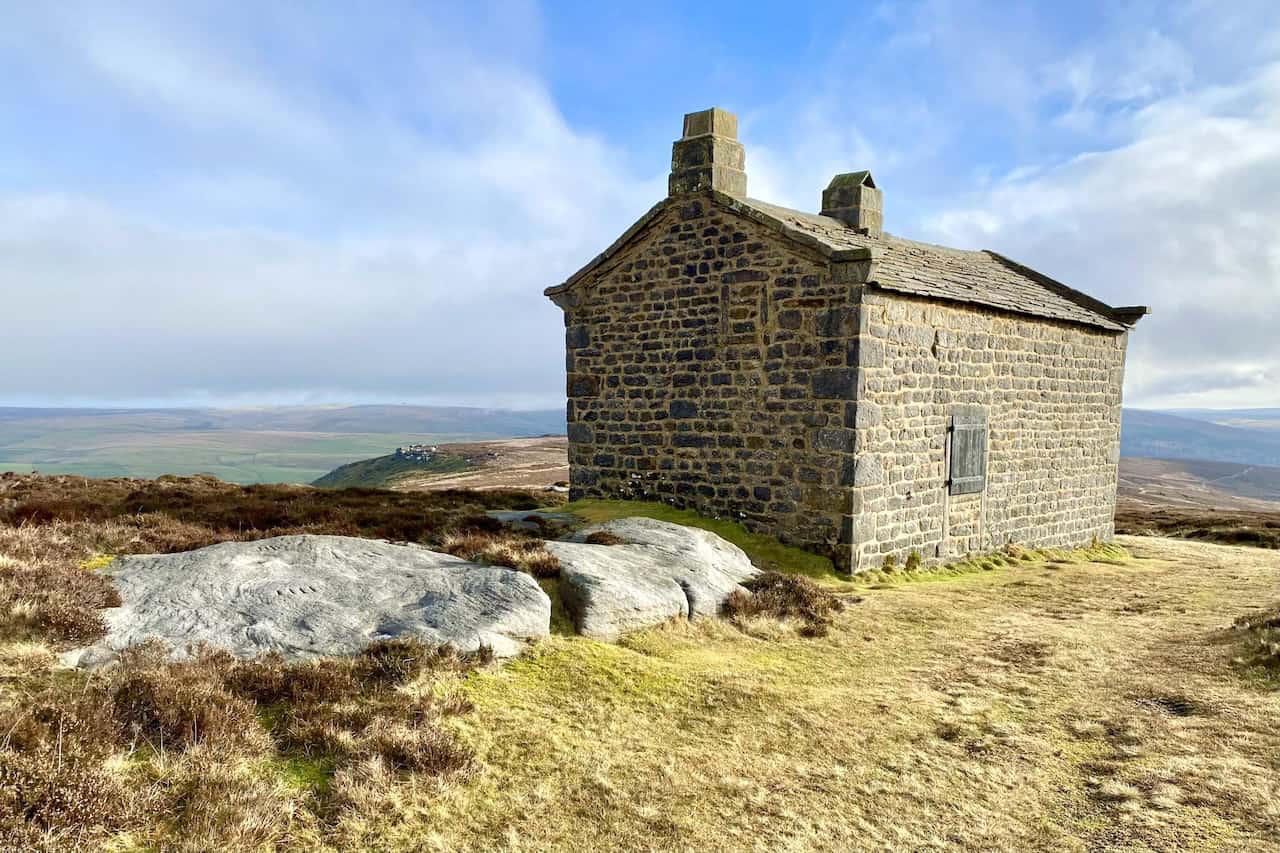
278 202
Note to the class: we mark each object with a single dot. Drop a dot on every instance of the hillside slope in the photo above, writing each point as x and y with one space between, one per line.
383 472
1196 483
1163 436
512 463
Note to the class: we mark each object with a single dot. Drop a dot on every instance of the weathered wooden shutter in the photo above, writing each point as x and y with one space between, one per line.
968 473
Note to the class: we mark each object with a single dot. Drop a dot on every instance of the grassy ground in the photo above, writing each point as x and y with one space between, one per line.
1044 707
1046 704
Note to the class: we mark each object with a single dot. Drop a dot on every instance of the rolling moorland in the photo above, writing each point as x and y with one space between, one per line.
1250 437
1107 698
300 444
294 444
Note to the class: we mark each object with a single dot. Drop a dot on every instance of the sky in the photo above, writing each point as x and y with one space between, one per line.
292 203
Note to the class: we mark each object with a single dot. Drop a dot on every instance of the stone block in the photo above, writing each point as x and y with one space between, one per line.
834 383
867 471
683 409
576 337
836 323
834 440
862 415
714 121
583 385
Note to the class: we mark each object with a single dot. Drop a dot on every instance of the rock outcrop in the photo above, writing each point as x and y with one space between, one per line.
661 571
304 596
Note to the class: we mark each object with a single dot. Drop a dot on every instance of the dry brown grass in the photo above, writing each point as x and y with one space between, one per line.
1043 707
190 734
1223 526
225 510
1260 632
511 548
774 595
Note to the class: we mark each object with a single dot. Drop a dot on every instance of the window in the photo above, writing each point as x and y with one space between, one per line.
968 452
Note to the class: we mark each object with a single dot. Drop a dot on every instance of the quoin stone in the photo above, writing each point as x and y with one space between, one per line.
843 389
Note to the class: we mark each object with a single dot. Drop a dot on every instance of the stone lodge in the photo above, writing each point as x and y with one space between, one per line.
843 389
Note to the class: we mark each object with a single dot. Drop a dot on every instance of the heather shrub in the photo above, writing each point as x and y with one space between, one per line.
1261 632
787 597
269 679
181 703
52 801
509 548
414 748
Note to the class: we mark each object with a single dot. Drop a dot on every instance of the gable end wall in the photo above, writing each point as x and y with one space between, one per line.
711 365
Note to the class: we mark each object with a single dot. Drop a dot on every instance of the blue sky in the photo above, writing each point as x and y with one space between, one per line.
291 202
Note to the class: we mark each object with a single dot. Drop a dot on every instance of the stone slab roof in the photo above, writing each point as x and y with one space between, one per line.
956 275
921 269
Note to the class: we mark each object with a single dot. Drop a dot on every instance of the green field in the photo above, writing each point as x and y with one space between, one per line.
294 444
233 455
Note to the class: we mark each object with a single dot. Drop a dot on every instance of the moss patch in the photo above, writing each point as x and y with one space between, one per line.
97 561
765 551
306 773
561 624
1106 553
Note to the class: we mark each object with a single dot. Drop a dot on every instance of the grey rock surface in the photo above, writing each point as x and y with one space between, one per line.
317 595
516 518
662 571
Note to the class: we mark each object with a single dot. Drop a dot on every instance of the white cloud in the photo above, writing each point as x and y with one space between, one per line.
1183 218
391 259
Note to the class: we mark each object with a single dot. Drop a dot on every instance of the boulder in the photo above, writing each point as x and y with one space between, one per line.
662 570
304 596
521 518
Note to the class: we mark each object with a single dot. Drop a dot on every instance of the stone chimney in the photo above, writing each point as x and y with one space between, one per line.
709 155
854 200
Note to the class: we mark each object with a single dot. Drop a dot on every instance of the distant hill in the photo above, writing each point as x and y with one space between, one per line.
1164 436
1194 483
383 471
287 444
424 420
1246 418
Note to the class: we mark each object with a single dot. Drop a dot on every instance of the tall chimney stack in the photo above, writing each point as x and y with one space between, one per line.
709 155
854 200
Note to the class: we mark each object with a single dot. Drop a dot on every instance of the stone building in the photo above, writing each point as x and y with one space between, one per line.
843 389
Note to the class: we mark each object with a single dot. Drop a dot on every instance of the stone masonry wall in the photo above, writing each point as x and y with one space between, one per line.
1051 392
710 366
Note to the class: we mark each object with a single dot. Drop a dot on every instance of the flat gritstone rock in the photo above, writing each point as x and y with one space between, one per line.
305 596
662 570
